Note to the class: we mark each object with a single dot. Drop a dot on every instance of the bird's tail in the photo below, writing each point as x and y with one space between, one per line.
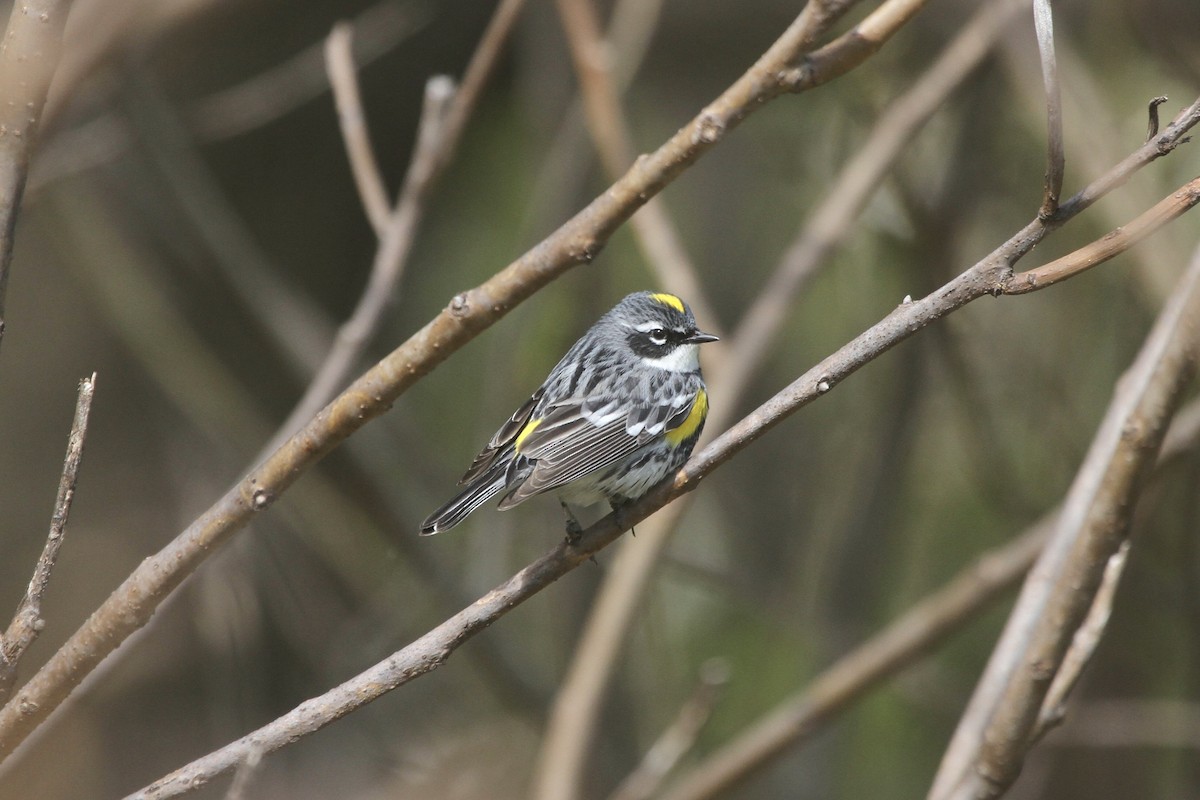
477 492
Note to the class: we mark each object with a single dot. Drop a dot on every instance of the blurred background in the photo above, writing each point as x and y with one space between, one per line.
192 233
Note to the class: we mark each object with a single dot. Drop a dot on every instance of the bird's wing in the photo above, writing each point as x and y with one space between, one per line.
505 436
580 436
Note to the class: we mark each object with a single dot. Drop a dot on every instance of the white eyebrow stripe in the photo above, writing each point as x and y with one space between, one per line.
646 327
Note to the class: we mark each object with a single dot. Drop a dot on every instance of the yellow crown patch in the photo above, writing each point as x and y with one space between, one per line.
668 300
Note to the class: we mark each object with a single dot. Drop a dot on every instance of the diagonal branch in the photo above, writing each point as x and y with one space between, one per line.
783 68
27 622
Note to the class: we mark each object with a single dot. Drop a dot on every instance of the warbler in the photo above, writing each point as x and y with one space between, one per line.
618 414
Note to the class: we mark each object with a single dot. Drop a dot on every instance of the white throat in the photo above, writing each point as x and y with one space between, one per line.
685 358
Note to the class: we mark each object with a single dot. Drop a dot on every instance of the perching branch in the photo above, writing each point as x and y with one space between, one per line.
783 68
31 48
989 746
27 622
435 647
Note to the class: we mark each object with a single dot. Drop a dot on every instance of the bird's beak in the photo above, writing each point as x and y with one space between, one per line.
700 337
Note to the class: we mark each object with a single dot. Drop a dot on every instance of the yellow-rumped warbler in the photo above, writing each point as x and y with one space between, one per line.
620 413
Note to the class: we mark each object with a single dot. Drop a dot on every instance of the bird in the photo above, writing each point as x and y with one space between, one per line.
617 415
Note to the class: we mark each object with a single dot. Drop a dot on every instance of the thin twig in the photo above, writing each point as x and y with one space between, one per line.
989 746
573 719
27 622
679 737
352 119
1043 23
29 56
435 647
133 603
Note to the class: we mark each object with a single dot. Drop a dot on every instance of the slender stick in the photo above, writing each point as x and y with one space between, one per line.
1083 645
27 622
352 119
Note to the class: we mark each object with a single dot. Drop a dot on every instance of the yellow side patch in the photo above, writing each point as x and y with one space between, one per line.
694 419
529 428
668 300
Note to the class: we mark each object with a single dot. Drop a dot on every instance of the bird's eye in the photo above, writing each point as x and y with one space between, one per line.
657 336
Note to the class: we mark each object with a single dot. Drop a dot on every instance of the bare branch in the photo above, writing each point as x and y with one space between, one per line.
27 622
32 46
1043 22
343 80
989 746
575 242
680 737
